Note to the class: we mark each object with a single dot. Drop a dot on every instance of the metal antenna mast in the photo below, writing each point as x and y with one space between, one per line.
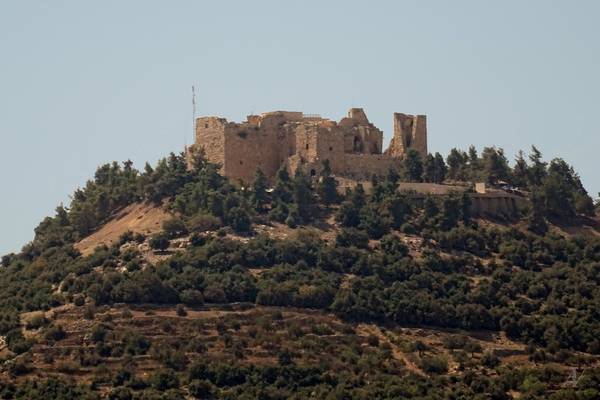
193 111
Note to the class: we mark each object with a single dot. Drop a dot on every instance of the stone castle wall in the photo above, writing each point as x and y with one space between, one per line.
353 146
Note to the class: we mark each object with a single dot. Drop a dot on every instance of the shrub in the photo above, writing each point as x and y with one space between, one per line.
192 297
55 333
174 227
17 343
490 360
18 367
79 300
159 242
36 320
434 365
89 312
120 393
98 333
201 388
164 379
203 223
239 220
373 340
352 237
180 310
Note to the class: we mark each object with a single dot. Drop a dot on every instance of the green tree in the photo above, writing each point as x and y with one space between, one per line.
520 171
495 165
302 195
240 220
457 162
537 168
259 197
327 185
348 215
374 221
413 166
536 221
160 241
440 168
282 192
473 159
429 169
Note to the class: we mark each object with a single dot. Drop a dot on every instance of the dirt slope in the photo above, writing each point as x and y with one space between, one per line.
138 217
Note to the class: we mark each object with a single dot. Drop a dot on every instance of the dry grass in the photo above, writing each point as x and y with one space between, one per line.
138 217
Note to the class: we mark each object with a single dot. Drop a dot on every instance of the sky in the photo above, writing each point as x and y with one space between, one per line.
83 82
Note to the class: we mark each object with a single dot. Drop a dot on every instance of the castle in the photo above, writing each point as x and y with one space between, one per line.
295 140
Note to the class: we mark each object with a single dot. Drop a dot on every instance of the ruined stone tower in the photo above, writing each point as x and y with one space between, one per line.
410 132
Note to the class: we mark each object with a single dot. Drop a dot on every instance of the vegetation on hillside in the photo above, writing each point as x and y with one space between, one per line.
523 279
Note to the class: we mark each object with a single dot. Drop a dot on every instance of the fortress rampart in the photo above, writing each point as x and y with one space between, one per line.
353 146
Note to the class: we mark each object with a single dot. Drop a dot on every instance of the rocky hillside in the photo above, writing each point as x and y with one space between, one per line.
173 283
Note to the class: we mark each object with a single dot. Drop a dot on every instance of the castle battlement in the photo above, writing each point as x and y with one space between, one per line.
293 139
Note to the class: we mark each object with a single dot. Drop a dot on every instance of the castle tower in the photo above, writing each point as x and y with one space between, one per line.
410 132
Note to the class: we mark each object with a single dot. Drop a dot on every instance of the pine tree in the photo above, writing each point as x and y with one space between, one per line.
282 192
536 221
495 165
520 170
302 195
413 166
327 186
457 161
259 197
429 169
441 170
537 169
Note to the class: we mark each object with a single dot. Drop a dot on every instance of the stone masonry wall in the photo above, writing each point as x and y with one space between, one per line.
210 135
363 166
248 148
271 140
410 132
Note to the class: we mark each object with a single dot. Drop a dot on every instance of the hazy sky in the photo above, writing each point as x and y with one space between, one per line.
87 82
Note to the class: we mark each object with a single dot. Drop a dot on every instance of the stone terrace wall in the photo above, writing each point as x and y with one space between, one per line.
363 166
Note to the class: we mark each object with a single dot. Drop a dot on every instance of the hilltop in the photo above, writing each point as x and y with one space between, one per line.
177 282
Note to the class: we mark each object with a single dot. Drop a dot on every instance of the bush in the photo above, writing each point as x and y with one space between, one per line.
434 365
98 333
159 242
79 300
239 220
203 223
17 343
201 388
55 333
36 320
490 360
164 379
120 393
174 227
19 367
89 312
192 297
352 237
180 310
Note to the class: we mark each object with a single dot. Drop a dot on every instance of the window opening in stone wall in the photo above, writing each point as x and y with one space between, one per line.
357 144
330 148
241 162
206 125
313 172
306 146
